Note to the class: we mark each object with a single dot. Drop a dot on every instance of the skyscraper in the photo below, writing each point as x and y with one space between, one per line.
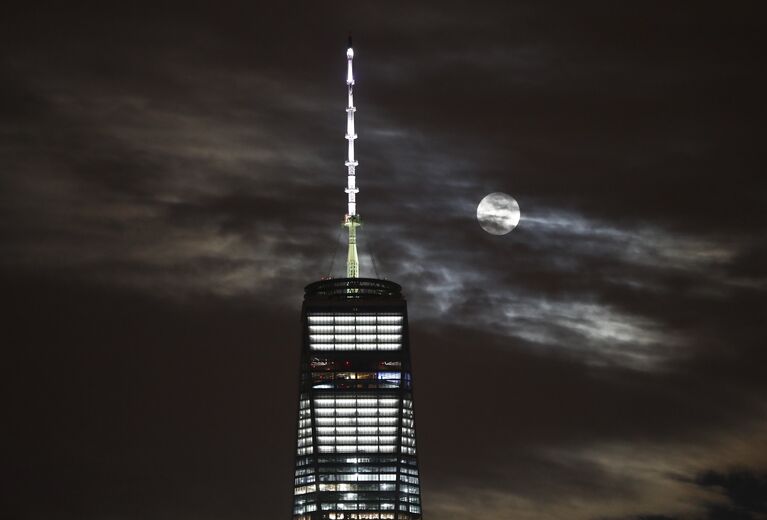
356 449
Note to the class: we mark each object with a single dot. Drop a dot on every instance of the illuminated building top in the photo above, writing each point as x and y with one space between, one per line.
355 454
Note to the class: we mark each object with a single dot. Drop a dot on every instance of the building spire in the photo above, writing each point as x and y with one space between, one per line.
352 219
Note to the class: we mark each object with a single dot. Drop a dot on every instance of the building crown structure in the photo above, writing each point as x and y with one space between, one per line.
356 446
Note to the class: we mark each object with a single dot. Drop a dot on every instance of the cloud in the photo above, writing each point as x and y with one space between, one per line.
172 177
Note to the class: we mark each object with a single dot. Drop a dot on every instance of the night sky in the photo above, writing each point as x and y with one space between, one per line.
171 177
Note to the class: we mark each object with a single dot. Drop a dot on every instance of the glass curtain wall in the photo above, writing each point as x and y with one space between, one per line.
356 446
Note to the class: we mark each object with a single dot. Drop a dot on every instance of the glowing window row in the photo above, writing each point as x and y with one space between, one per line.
360 460
354 497
355 329
360 477
357 448
352 439
351 421
354 319
355 346
362 445
353 486
329 376
364 496
362 402
360 516
360 430
355 338
345 412
354 506
328 437
355 468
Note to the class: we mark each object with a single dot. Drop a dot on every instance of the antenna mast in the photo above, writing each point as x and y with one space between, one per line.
352 219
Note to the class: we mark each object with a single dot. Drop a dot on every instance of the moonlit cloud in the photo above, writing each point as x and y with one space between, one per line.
173 176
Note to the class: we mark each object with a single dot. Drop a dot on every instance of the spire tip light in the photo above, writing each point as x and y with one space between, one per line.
352 219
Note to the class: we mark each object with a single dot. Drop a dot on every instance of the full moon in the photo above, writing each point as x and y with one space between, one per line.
498 213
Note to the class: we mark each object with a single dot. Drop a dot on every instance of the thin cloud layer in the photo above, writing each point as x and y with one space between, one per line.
172 176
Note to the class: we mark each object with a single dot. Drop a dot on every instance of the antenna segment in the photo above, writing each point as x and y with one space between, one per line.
352 219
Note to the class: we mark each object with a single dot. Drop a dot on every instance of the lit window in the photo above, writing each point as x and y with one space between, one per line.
367 329
320 329
300 490
390 319
389 329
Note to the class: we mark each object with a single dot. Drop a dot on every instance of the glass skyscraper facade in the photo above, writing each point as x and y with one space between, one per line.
356 448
